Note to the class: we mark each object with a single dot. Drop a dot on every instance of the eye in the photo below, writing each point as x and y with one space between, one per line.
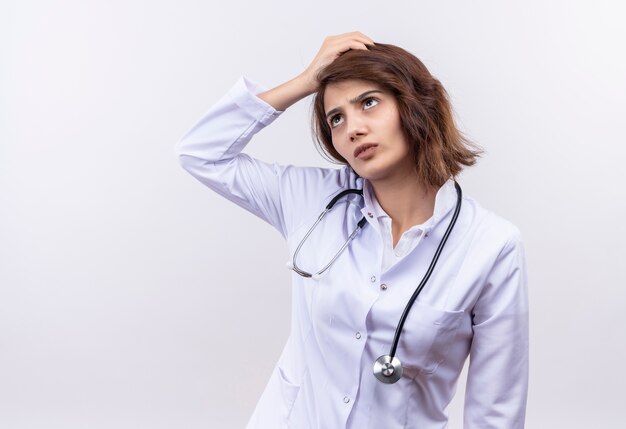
335 120
369 102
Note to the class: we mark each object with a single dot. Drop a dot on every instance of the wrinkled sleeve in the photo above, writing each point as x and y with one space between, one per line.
211 152
497 381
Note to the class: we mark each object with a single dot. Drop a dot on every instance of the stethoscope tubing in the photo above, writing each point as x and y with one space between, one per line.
433 262
329 206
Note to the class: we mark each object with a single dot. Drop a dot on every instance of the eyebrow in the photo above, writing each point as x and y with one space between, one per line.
355 100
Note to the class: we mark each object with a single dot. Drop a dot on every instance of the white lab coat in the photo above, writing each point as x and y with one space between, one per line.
474 303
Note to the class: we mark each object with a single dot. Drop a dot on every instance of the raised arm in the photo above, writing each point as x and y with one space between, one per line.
211 149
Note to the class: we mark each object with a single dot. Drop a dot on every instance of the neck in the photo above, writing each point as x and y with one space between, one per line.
407 201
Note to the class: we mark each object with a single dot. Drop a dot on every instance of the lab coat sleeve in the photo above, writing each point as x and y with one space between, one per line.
497 380
211 152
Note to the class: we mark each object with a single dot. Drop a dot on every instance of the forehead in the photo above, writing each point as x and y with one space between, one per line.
339 94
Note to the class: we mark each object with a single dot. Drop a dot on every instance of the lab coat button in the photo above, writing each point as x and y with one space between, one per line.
373 279
383 287
346 399
358 335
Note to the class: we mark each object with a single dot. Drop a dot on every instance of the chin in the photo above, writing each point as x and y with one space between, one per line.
369 174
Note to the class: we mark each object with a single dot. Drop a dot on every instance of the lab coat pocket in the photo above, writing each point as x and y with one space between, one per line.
426 338
289 392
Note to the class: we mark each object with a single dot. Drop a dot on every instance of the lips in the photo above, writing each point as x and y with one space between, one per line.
362 148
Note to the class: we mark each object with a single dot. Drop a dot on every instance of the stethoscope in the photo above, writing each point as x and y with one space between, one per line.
387 368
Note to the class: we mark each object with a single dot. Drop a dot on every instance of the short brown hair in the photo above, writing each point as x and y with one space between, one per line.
438 148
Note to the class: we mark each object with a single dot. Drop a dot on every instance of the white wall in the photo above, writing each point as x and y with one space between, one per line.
125 286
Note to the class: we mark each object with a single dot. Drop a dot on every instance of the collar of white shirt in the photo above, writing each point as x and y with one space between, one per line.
445 200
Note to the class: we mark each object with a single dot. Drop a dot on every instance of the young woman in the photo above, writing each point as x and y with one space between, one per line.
403 277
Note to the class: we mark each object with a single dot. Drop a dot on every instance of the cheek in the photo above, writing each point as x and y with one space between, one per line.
399 135
339 147
344 152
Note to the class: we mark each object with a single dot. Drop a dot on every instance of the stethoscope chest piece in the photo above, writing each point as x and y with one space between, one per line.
387 369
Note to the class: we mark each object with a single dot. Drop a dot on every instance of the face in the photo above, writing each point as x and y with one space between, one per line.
365 126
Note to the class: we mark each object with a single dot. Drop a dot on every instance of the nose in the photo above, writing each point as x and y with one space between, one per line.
356 128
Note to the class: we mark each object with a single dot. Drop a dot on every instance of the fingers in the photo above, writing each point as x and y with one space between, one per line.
333 47
358 45
357 36
363 38
346 41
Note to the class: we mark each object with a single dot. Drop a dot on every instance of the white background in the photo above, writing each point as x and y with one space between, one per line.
133 297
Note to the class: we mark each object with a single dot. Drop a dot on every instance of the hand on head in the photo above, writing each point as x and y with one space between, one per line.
333 47
306 83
